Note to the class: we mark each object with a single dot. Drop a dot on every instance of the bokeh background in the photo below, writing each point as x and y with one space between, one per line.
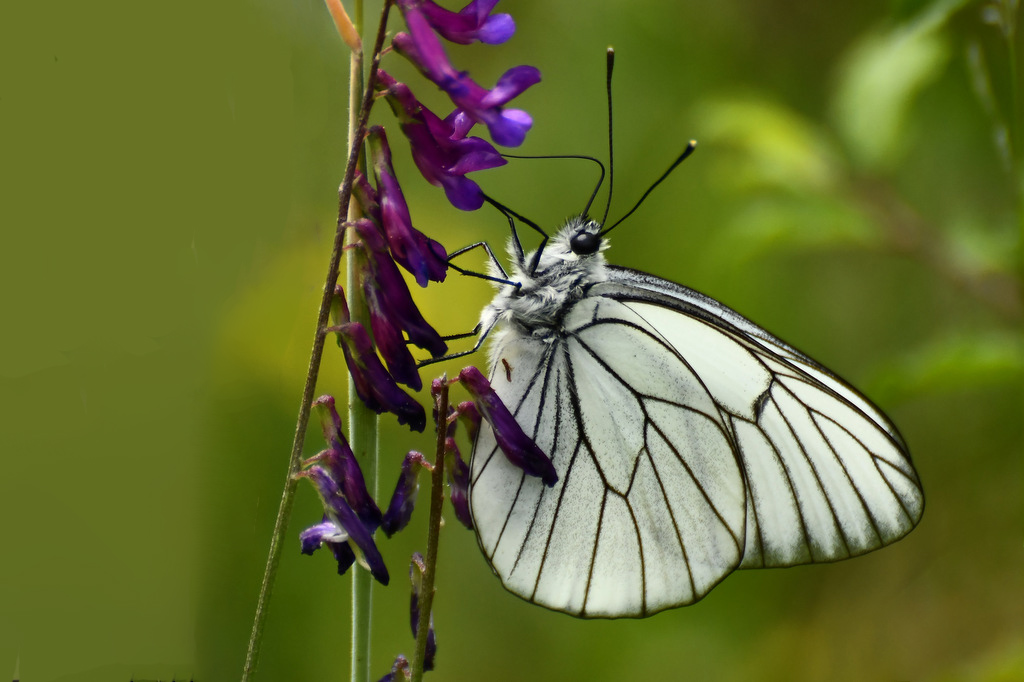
169 195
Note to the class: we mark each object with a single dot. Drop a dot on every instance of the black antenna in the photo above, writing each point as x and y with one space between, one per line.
509 213
569 156
686 152
611 147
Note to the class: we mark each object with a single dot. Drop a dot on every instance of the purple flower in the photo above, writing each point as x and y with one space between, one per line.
404 498
513 441
334 537
389 338
417 567
342 465
342 525
339 308
367 196
458 482
507 127
399 670
442 153
470 417
374 386
425 258
388 297
472 23
388 335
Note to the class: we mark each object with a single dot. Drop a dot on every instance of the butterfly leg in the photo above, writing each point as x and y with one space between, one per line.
481 337
486 247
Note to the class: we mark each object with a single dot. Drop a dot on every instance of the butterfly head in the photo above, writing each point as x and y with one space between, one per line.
585 238
551 279
577 244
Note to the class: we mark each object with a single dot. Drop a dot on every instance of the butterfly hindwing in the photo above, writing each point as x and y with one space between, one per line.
648 512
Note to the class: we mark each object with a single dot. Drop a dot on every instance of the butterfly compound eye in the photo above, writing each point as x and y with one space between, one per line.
585 243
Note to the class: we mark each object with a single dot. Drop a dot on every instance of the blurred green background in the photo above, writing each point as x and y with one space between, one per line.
169 195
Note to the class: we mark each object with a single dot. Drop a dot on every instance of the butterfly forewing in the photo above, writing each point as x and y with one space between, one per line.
828 475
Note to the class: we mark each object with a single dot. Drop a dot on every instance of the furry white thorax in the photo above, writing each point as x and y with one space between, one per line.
536 308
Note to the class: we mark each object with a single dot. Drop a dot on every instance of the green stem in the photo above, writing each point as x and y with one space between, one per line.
313 370
362 422
433 535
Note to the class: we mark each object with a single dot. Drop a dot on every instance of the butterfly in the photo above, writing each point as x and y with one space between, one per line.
688 441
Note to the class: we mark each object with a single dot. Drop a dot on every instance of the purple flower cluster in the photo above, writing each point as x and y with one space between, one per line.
373 384
384 240
425 258
350 514
440 147
351 517
445 153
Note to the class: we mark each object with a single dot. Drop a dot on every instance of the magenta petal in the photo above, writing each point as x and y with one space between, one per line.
497 29
460 123
470 24
390 289
511 84
513 441
403 499
470 418
422 46
342 514
313 537
458 483
423 257
482 158
509 128
330 534
390 340
340 511
375 387
440 148
342 464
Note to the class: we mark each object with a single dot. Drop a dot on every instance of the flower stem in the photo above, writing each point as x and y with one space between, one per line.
433 534
313 371
362 422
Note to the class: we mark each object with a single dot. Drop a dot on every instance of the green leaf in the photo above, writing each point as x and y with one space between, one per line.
877 84
804 222
774 147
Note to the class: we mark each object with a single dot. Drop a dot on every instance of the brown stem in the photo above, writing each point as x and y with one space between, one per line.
433 534
908 233
315 357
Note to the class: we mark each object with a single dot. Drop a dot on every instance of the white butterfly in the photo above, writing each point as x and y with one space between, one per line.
688 442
